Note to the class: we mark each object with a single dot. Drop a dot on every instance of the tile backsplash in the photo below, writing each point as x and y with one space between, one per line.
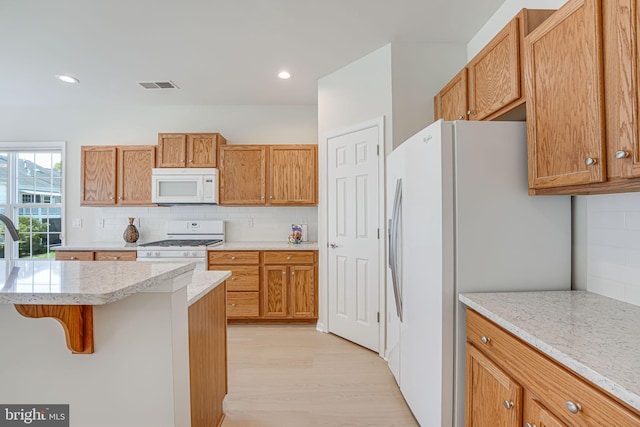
613 246
242 224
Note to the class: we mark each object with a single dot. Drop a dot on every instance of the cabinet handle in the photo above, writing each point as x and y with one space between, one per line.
190 160
470 112
72 257
293 273
590 161
485 340
461 117
111 198
284 272
181 160
622 154
120 198
115 258
232 258
261 197
574 408
233 278
529 425
288 258
233 304
271 197
507 404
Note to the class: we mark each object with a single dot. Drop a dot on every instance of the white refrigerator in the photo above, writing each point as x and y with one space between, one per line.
460 220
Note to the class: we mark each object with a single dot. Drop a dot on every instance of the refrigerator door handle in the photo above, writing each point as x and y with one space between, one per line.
393 247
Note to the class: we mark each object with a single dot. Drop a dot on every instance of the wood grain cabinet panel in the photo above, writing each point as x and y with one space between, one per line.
233 257
243 304
303 291
96 255
276 285
243 277
74 255
535 414
493 398
553 385
117 175
190 150
243 174
565 116
451 102
293 174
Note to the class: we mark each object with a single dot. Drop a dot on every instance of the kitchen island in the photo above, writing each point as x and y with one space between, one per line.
135 369
575 353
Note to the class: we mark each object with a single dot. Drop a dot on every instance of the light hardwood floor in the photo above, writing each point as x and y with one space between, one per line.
294 376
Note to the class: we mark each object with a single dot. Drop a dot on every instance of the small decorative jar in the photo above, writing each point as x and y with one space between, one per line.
131 233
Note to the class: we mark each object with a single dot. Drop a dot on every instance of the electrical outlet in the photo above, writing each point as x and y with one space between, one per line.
76 223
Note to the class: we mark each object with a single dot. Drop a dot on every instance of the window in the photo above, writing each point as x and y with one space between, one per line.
31 184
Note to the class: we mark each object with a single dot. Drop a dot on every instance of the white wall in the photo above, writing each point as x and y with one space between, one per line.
118 125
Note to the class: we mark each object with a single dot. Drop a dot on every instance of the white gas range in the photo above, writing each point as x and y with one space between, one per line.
186 241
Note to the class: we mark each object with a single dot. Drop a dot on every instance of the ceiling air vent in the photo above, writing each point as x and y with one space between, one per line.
159 85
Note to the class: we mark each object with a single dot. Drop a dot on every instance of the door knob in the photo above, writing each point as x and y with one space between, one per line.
333 245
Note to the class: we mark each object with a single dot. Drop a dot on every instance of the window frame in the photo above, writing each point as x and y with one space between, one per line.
12 207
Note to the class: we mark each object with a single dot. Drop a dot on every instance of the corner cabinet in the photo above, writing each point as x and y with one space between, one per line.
265 175
582 78
269 286
116 175
189 150
509 383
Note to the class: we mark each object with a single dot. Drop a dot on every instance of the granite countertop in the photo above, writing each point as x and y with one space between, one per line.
203 282
265 246
594 336
81 282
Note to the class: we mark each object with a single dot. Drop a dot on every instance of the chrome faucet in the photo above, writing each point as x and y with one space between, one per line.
10 226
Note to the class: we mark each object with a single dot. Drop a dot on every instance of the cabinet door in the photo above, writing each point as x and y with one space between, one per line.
134 174
303 291
242 174
453 99
535 414
172 148
202 150
622 58
492 397
494 74
564 85
98 180
293 174
275 291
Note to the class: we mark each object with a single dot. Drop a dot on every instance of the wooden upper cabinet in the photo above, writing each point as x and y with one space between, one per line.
191 150
621 20
492 397
243 171
134 174
451 102
565 108
293 174
98 175
496 72
116 175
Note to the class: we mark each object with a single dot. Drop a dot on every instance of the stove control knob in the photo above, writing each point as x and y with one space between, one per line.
157 254
194 254
148 253
185 254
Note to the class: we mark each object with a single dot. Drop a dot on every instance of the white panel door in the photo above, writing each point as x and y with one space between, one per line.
353 234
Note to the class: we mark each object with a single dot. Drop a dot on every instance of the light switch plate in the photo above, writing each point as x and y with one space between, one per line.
76 223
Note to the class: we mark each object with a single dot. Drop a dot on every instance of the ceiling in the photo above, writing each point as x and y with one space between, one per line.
218 52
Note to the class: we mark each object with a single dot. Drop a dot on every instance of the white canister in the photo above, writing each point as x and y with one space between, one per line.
305 232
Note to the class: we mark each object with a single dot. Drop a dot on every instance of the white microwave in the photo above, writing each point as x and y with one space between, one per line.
172 186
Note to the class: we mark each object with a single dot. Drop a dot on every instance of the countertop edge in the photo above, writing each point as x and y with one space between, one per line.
200 286
600 380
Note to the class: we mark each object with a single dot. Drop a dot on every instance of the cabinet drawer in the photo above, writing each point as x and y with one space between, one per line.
243 277
74 255
115 256
555 385
243 304
234 257
291 257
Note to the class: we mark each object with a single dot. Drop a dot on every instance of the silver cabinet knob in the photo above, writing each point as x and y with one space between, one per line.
233 304
233 278
288 258
190 160
461 117
271 197
181 160
529 425
485 340
284 272
590 161
573 407
293 273
111 198
120 198
622 154
72 257
115 258
507 404
261 197
232 258
470 112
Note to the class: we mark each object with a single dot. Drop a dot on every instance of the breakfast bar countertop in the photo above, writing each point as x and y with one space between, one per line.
594 336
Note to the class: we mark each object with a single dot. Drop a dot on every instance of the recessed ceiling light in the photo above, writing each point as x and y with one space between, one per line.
284 75
67 78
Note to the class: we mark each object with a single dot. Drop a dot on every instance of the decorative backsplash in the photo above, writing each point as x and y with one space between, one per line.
613 246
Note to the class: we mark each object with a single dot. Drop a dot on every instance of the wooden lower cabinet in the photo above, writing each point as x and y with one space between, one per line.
507 378
96 255
208 358
269 286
